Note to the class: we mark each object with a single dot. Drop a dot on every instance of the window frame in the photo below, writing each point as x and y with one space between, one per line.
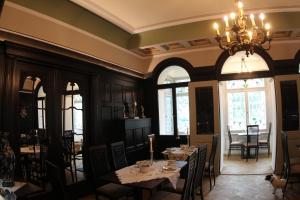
173 87
246 91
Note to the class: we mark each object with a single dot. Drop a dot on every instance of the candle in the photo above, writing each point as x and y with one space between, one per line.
262 18
232 17
268 27
216 27
227 36
151 148
226 21
252 20
240 6
250 33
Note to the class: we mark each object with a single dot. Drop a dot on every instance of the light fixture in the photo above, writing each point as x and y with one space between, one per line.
239 37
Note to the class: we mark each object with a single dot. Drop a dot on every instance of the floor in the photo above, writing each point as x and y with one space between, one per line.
235 165
241 180
241 187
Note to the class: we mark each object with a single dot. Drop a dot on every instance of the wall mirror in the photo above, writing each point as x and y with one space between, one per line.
32 128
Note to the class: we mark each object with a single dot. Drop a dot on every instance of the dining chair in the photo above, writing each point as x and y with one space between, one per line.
99 165
251 141
118 155
68 153
55 179
290 170
265 143
188 184
209 165
197 182
233 145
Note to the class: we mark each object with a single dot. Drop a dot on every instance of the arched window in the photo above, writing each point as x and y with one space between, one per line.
173 101
240 63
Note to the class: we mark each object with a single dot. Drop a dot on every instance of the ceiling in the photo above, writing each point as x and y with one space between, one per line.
150 28
170 21
137 16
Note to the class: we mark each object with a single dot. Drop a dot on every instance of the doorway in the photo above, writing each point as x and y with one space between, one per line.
242 103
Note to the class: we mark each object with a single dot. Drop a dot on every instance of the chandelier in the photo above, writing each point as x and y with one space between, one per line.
237 34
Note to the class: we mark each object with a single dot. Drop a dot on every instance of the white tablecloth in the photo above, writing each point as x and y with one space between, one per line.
176 153
132 173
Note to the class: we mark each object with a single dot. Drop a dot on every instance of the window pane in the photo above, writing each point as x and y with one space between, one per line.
77 101
78 127
182 103
254 83
236 84
41 118
40 103
236 111
68 101
68 119
257 108
165 104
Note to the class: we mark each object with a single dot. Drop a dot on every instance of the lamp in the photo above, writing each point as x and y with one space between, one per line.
239 37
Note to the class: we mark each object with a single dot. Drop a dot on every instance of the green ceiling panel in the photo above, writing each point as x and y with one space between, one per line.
79 17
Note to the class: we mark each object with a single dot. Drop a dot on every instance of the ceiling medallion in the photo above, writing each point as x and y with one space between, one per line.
239 37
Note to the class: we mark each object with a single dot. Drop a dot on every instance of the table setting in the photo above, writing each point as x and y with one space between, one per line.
179 153
145 171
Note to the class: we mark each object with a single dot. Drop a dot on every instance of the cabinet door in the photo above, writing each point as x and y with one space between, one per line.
204 114
287 89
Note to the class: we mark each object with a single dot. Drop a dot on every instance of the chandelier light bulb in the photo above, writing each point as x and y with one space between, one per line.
262 16
267 26
232 16
240 4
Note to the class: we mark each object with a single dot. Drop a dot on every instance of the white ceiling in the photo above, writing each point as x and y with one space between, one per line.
137 16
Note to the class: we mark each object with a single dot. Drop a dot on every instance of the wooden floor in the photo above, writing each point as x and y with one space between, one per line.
241 180
241 187
235 165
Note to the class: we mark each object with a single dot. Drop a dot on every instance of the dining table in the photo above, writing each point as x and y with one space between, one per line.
150 180
179 153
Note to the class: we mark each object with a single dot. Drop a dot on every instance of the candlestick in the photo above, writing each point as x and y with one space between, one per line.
262 18
151 148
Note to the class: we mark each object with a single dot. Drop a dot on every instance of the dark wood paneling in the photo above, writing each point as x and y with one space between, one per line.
2 81
105 92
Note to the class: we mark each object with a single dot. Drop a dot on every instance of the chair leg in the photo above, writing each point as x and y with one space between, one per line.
214 176
257 150
210 179
268 150
201 193
229 151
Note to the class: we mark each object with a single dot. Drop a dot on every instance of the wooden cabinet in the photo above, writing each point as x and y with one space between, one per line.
134 132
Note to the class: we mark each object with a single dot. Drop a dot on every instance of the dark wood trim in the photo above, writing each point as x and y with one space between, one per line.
48 48
2 82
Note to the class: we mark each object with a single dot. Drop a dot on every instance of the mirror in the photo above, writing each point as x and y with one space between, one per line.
72 115
32 127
